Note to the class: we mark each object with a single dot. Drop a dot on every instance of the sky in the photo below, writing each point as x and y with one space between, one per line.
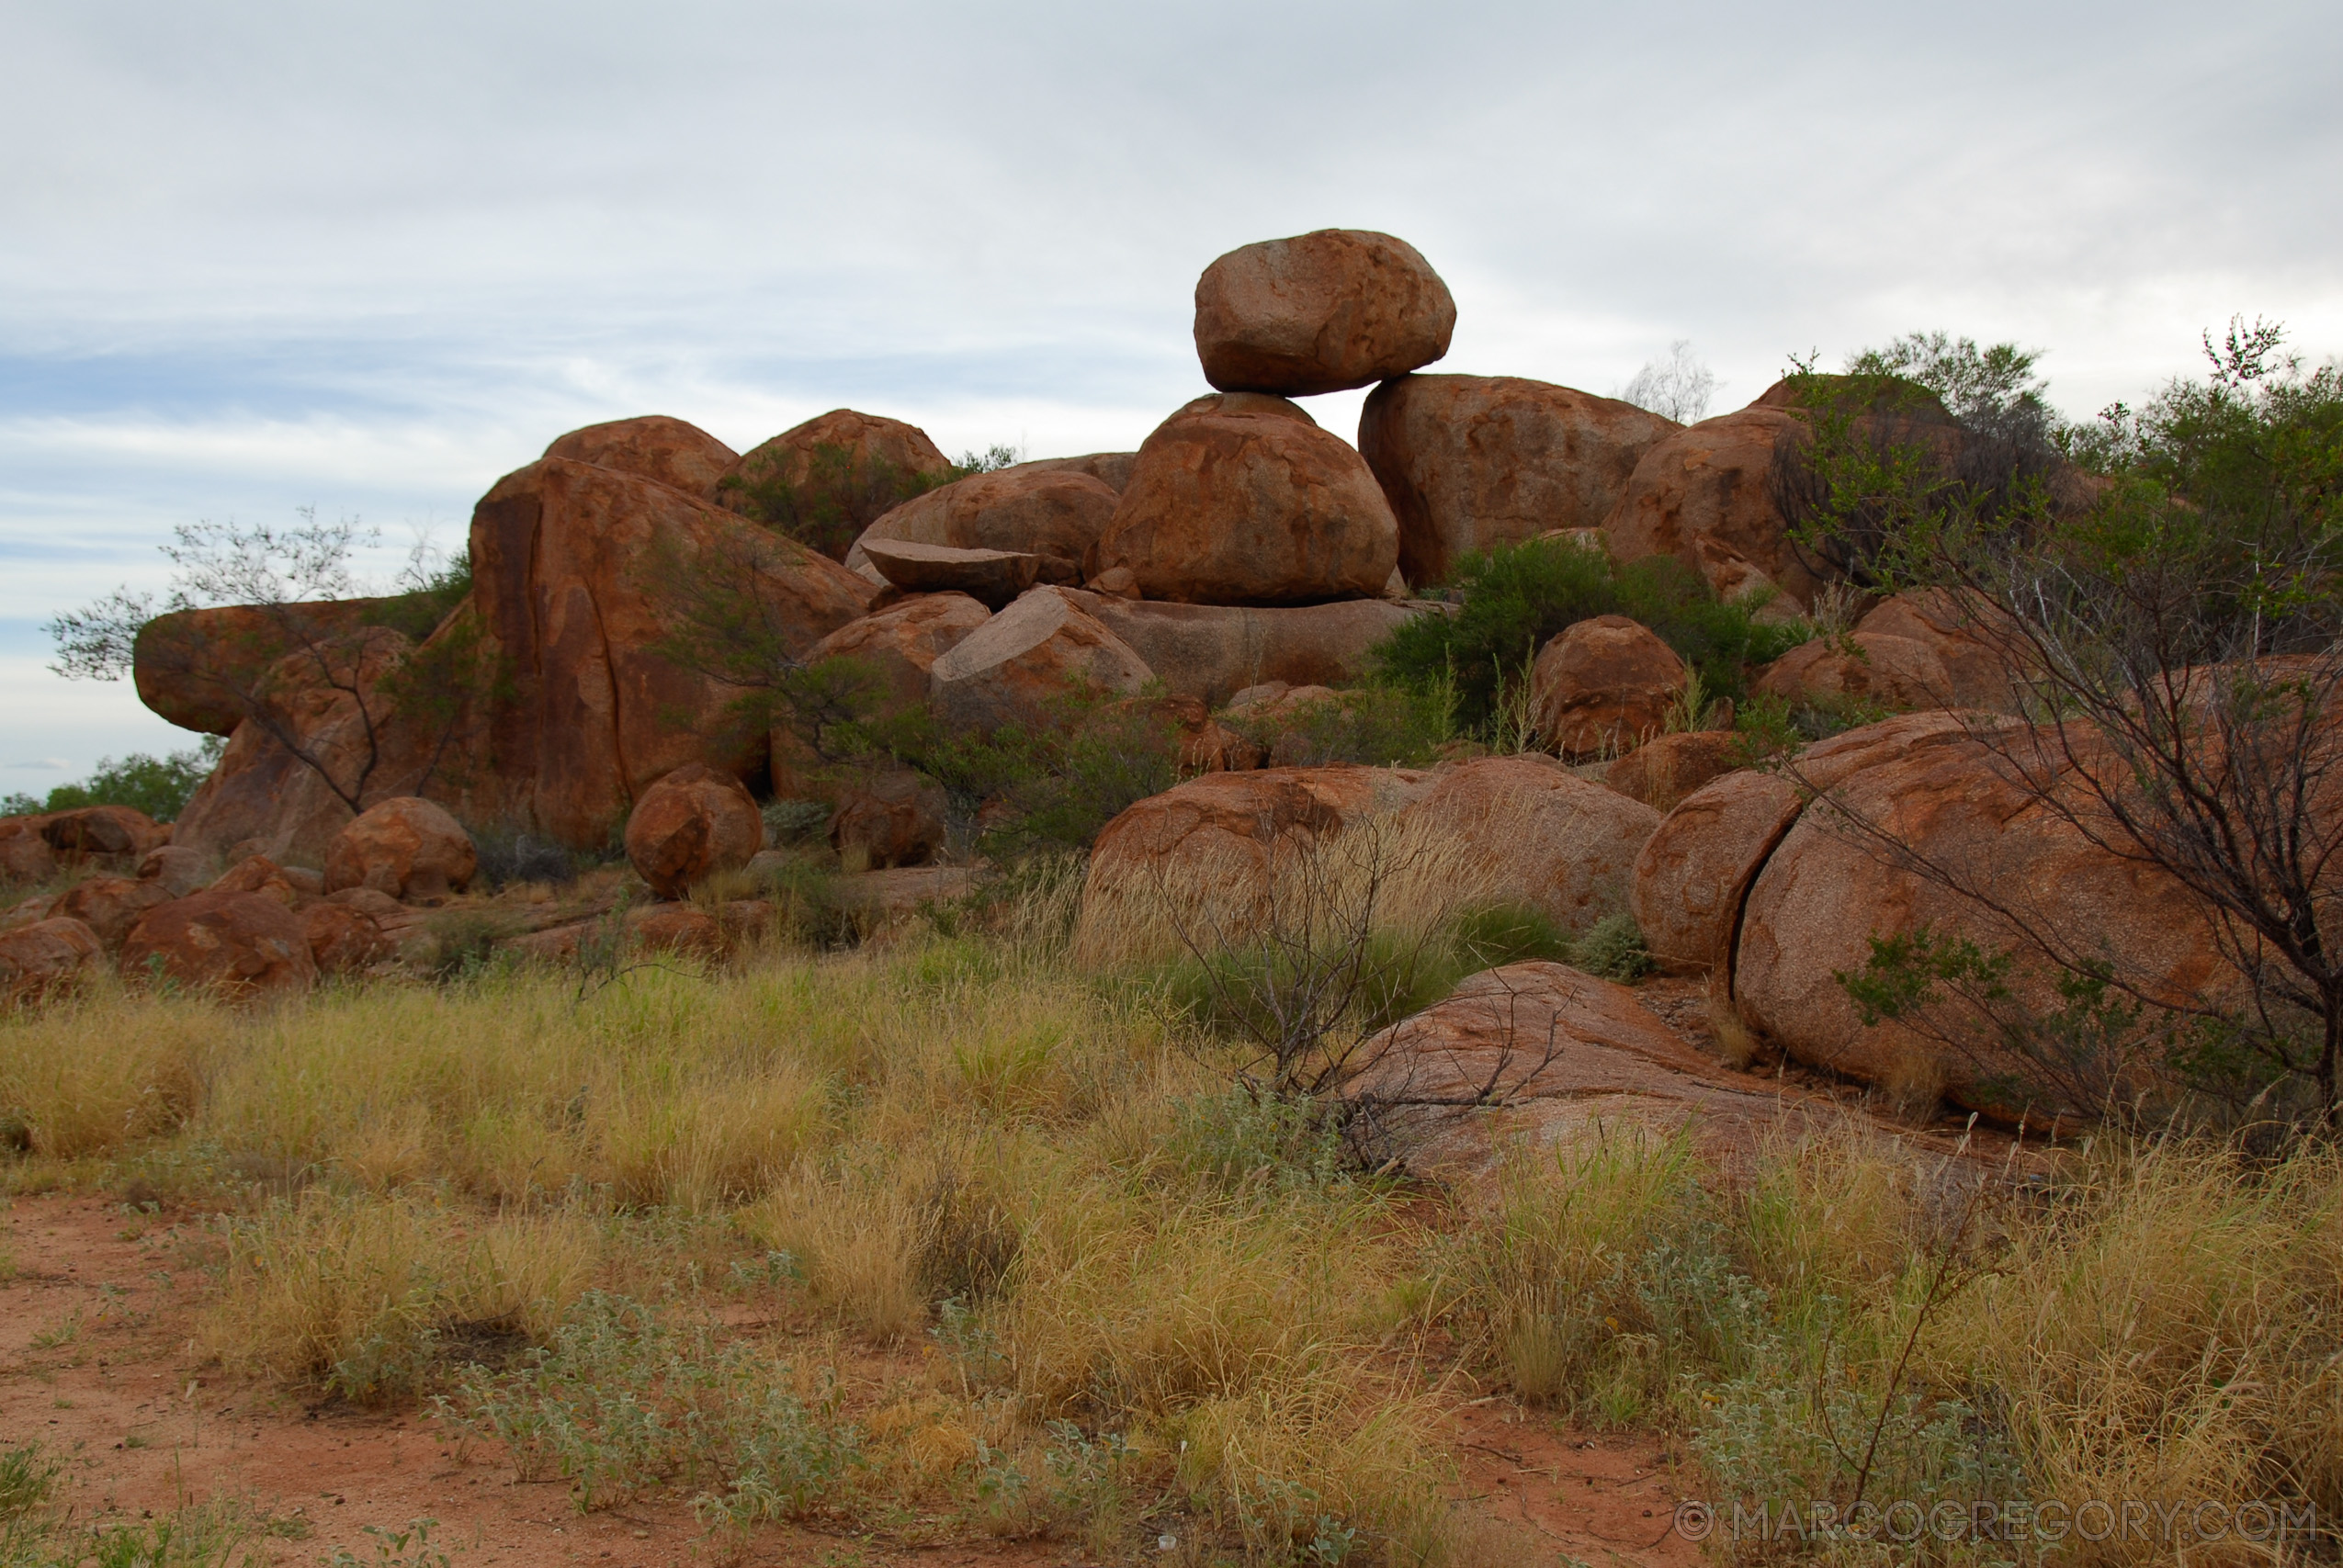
260 257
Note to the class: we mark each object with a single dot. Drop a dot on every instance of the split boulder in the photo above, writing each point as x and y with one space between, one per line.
1011 668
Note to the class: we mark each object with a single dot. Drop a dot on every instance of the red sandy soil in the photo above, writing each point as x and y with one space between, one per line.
149 1427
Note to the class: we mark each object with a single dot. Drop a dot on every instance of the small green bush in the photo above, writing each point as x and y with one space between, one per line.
1514 599
1382 724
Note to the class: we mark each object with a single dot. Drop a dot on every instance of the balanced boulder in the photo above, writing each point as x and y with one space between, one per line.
1319 312
407 846
241 944
1603 686
993 577
208 670
1470 462
1042 649
654 446
690 824
1242 499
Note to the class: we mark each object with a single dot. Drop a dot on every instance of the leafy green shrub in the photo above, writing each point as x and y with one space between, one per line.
1614 950
1515 598
157 786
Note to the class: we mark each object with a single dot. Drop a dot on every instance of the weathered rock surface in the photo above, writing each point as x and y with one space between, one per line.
1242 499
109 906
893 820
1575 1063
343 940
1038 649
573 565
407 846
1694 875
1039 509
1214 651
1111 469
1664 770
103 831
1469 462
1977 665
692 823
258 873
44 956
992 577
201 669
1866 666
901 643
24 855
1527 830
1319 312
655 447
1603 686
1705 495
1198 858
1829 888
854 453
177 870
245 945
651 928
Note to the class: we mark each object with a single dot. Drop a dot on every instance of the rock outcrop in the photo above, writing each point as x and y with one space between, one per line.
1242 499
692 823
202 670
1470 462
861 464
1041 648
116 831
573 567
901 643
243 945
1981 669
1319 312
655 447
1040 509
1603 686
407 846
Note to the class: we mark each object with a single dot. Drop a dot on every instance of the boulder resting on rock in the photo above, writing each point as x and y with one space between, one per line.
1319 312
1040 649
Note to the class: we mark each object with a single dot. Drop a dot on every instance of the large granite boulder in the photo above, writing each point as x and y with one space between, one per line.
1242 499
1014 667
1470 462
204 670
581 573
1040 509
1526 831
655 447
1982 660
243 945
407 846
1603 686
1707 496
692 823
1868 666
1319 312
843 467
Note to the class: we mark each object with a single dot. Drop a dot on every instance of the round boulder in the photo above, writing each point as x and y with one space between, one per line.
1474 461
654 446
242 945
1242 499
1706 495
1319 312
1865 666
110 906
896 818
858 465
407 846
1604 687
690 824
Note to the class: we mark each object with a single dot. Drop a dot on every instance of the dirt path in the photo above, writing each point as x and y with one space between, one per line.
98 1362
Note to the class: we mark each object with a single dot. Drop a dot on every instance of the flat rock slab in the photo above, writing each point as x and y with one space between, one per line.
993 577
